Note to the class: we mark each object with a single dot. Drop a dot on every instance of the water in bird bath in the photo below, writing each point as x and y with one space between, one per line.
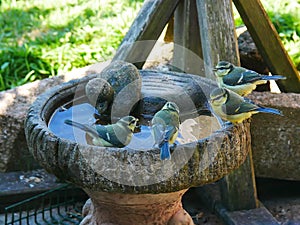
191 129
82 113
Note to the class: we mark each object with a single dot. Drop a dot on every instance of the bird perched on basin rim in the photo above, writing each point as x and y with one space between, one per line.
232 107
118 134
239 79
164 127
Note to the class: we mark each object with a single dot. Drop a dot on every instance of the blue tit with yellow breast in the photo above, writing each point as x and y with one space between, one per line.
118 134
239 79
164 127
232 107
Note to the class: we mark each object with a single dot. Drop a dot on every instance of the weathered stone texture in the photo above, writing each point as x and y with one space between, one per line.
13 107
14 104
135 171
131 209
276 139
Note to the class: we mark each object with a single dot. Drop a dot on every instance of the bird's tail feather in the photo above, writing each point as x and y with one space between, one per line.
165 151
82 127
270 110
274 77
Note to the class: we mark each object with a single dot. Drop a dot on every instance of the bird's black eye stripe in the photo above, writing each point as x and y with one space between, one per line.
218 97
132 122
222 68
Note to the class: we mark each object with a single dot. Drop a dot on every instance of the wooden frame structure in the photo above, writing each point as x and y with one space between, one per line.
206 27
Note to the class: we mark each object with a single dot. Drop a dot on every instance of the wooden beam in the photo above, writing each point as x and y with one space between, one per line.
211 194
219 42
238 190
145 30
268 43
187 55
217 31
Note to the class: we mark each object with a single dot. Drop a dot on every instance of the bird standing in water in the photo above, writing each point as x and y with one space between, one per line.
239 79
232 107
118 134
165 126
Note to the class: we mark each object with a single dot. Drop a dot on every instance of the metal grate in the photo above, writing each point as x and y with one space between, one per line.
56 206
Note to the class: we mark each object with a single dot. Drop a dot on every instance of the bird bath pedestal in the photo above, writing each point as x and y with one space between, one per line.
129 186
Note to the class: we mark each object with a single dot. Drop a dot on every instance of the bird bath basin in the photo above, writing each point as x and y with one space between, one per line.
131 185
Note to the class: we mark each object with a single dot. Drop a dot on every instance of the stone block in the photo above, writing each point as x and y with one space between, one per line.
276 139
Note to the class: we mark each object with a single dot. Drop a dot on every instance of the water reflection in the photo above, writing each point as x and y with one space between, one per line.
190 130
82 113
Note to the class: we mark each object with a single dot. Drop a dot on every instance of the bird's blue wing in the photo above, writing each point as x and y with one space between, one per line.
168 138
107 133
158 133
89 129
247 76
165 151
163 136
269 110
239 107
115 134
273 77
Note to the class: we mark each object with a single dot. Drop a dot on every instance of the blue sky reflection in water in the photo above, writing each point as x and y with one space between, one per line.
190 130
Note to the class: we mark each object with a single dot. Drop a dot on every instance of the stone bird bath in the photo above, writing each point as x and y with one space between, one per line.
128 186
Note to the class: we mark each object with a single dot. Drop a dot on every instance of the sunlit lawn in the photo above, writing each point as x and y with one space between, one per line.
42 38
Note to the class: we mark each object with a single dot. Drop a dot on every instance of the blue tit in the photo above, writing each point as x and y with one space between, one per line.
232 107
118 134
164 127
239 79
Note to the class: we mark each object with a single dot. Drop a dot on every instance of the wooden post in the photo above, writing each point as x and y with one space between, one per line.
268 43
219 42
145 30
238 189
187 45
217 31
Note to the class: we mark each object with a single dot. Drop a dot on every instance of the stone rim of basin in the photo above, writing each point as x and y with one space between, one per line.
190 165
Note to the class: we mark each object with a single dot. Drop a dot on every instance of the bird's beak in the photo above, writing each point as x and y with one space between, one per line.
214 69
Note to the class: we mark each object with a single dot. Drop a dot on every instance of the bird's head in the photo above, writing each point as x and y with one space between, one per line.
171 106
223 68
218 96
129 121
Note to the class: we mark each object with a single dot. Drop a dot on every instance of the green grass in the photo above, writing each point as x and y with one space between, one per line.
285 15
45 38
